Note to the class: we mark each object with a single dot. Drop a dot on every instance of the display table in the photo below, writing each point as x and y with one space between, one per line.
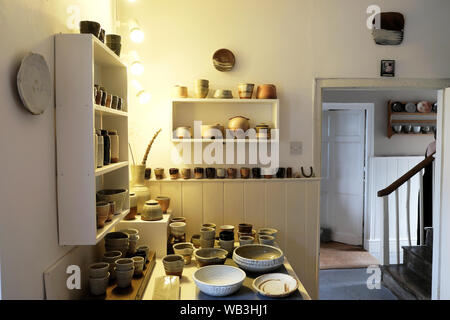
189 291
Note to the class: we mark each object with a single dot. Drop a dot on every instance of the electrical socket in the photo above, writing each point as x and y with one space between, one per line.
296 148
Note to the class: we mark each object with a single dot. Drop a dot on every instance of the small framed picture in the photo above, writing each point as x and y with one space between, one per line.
388 68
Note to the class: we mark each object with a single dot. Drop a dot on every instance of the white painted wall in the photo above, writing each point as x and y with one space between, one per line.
28 228
383 146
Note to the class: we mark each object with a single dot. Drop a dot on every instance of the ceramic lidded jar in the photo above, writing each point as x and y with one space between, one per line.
138 186
152 211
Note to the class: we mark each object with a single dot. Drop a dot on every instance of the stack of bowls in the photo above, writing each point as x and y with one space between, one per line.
208 237
173 265
111 257
138 265
201 88
246 90
98 278
117 241
145 250
113 41
124 272
118 196
133 235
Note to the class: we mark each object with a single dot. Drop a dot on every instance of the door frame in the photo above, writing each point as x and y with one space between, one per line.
319 85
369 108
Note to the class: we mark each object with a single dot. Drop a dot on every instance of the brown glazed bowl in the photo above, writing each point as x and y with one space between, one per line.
266 91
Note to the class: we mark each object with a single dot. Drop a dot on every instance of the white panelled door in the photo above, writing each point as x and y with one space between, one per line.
343 166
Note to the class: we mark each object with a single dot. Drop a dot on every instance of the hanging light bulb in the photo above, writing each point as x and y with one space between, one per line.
137 35
137 68
144 97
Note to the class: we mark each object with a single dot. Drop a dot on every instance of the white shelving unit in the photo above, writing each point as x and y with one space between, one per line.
80 62
213 111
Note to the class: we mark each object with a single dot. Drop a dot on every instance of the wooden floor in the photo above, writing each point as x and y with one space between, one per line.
335 255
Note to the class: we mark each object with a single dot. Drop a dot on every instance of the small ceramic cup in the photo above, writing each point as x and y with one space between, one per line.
148 173
124 277
124 264
178 219
98 270
256 172
164 203
97 286
221 173
227 227
138 265
207 243
146 249
186 173
270 231
211 173
173 265
268 240
180 92
196 240
198 173
232 173
112 210
174 173
245 173
159 173
245 228
209 225
246 240
208 233
227 245
226 235
103 211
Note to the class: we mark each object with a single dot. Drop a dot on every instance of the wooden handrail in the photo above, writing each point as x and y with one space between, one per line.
403 179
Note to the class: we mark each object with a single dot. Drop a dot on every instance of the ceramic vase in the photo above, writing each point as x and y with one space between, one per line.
138 186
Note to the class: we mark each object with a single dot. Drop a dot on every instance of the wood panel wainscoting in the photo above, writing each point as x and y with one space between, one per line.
289 205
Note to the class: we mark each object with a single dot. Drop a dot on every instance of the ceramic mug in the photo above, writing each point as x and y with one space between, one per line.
232 173
245 173
198 173
159 173
186 173
221 173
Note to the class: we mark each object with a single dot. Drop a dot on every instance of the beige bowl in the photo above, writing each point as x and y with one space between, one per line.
258 257
210 256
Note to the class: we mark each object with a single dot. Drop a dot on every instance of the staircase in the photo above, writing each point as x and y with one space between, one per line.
412 279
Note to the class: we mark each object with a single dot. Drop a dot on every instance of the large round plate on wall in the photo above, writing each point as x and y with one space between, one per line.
224 60
34 83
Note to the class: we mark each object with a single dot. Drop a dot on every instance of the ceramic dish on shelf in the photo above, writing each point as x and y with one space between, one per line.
424 107
34 83
219 281
397 107
258 257
275 285
223 94
426 129
410 107
417 129
397 128
407 128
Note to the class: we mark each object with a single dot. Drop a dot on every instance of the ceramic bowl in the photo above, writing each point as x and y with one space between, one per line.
424 107
185 249
124 264
417 129
266 239
97 286
226 235
210 256
209 225
111 256
124 277
98 270
117 239
219 281
258 257
164 203
178 228
180 92
397 128
245 228
146 249
133 234
271 231
266 91
246 90
119 197
173 264
275 285
178 219
246 240
223 94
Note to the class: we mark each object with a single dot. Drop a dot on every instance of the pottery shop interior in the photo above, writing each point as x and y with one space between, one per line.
268 150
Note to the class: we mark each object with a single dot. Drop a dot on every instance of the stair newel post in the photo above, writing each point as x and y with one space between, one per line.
385 239
408 210
421 232
397 225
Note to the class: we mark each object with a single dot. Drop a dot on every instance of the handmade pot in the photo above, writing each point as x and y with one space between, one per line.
198 173
119 196
221 173
178 229
211 173
102 213
124 277
256 172
245 173
173 265
239 122
208 233
159 173
138 265
152 211
97 286
186 173
174 173
246 90
180 92
164 203
138 186
232 173
215 131
223 94
91 27
281 173
266 91
263 131
201 88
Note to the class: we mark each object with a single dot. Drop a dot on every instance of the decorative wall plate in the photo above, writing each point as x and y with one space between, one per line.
34 83
224 60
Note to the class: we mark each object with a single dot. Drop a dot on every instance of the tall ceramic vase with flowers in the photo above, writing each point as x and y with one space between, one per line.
137 184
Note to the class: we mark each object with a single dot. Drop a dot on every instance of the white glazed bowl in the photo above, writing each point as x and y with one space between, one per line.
219 280
258 257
